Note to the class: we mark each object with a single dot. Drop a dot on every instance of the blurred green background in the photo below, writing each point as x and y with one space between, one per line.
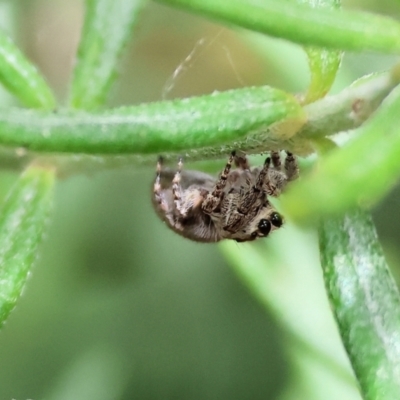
118 307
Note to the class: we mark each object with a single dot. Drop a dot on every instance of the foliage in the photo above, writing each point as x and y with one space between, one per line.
251 119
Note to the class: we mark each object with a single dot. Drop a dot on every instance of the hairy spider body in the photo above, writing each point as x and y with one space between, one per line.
233 206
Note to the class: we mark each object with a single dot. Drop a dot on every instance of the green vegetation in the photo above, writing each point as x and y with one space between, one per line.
49 141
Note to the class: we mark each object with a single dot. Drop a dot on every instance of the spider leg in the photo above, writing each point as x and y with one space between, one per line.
278 176
261 186
271 181
213 199
276 160
176 186
263 178
185 201
291 167
159 194
250 201
241 161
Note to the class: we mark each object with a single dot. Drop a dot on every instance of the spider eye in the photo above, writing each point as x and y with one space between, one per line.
276 220
264 226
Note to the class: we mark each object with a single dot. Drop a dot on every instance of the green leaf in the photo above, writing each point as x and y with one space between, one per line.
178 125
323 63
253 120
22 221
21 78
283 273
107 27
336 29
365 301
361 172
350 108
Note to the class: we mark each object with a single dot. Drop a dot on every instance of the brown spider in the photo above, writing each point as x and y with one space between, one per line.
234 206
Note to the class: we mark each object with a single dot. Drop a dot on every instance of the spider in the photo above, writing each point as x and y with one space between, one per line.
233 206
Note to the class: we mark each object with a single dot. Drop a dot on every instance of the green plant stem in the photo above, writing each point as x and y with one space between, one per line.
23 218
323 63
365 301
177 125
343 30
360 172
280 280
253 120
22 78
107 27
351 107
